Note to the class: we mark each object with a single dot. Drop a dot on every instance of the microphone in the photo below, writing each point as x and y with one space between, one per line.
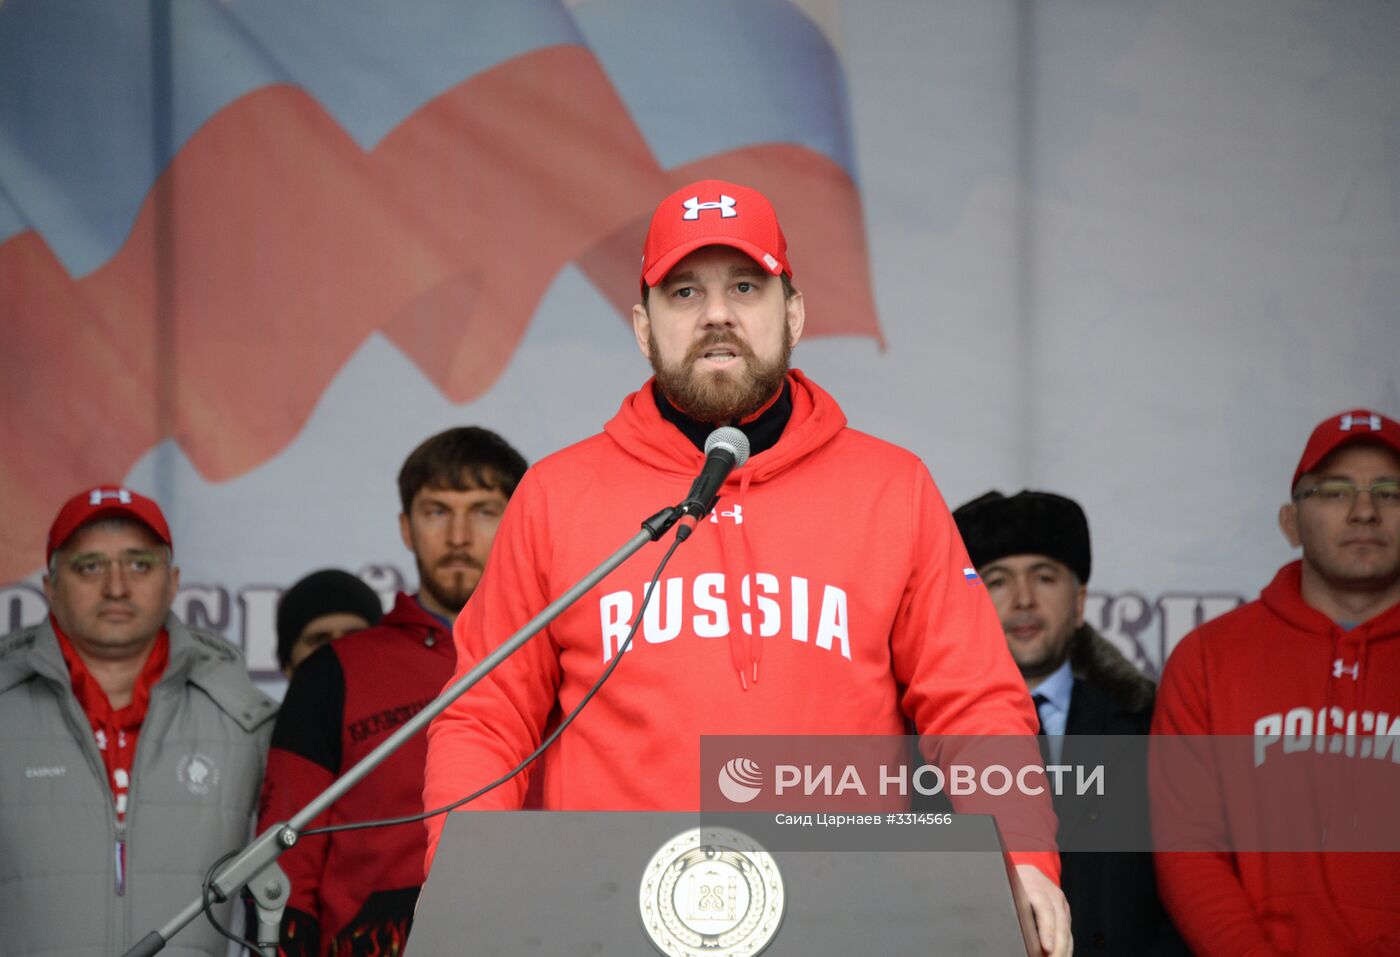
725 450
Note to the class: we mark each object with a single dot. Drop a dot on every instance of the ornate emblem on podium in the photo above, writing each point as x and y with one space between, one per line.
711 891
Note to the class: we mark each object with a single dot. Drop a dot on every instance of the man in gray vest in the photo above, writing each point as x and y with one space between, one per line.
102 841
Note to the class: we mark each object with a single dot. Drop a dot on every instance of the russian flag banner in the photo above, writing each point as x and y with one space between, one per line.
207 251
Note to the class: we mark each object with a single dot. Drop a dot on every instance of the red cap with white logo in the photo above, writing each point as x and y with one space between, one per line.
105 501
1358 425
713 213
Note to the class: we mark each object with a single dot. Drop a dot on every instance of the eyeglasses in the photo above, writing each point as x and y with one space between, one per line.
136 565
1384 494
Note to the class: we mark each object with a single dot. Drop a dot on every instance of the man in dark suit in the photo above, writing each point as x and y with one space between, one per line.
1032 552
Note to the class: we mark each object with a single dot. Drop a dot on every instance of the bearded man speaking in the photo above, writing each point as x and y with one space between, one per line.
826 594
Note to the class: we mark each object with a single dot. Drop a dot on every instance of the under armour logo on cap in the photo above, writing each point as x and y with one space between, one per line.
713 212
1352 420
725 206
1358 425
105 501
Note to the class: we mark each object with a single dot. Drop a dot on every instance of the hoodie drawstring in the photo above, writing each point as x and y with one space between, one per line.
744 651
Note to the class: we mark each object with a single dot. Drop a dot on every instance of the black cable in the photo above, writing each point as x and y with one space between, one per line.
208 892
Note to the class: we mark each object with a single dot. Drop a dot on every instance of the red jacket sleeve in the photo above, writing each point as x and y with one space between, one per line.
960 682
491 728
1200 889
303 761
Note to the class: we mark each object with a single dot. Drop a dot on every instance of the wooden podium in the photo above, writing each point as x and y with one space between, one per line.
564 883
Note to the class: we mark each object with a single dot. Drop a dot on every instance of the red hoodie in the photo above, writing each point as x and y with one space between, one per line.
826 595
1270 667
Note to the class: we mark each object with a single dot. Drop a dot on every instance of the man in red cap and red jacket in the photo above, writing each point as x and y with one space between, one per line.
1310 672
827 594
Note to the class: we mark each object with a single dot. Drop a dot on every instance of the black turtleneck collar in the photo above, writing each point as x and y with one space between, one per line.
762 432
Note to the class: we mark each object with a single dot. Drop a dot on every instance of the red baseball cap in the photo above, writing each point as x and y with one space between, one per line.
1358 425
713 213
105 501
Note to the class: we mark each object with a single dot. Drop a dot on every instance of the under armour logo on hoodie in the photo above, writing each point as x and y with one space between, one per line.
737 513
1338 669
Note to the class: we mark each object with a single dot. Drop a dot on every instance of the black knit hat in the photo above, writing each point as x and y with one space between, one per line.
1028 523
326 592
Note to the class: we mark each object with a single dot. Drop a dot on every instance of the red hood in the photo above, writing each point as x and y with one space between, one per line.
408 615
1284 597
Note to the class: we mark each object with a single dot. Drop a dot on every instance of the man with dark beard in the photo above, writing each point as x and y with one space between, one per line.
354 892
830 560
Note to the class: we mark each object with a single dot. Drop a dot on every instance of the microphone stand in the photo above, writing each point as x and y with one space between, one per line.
264 850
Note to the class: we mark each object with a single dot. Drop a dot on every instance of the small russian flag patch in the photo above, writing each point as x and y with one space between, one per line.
970 576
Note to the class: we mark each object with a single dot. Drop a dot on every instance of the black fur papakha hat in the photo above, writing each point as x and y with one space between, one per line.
1027 523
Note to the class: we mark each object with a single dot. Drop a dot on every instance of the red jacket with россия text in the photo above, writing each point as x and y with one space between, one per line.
1281 672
